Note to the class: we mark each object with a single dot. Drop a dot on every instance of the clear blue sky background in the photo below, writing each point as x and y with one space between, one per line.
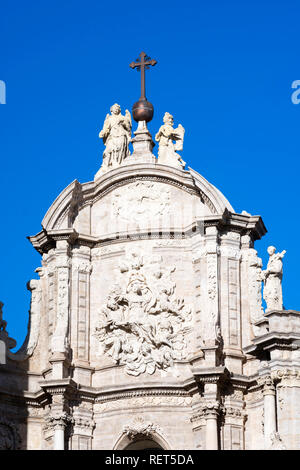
225 70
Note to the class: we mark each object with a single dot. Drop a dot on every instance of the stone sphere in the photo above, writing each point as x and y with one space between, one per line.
142 110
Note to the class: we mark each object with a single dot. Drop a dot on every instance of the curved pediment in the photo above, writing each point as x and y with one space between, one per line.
76 197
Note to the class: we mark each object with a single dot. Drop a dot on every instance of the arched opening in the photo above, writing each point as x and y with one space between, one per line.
142 444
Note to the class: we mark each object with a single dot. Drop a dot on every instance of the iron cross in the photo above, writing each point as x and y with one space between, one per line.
141 64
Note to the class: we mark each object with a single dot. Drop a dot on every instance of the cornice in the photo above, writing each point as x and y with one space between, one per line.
273 340
45 240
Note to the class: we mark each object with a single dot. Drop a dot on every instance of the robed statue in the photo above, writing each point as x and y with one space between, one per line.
272 278
166 137
116 135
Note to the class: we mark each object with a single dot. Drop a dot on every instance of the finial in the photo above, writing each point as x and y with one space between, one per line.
142 110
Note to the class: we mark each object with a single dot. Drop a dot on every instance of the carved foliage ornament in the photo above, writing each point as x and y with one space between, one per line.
143 325
139 427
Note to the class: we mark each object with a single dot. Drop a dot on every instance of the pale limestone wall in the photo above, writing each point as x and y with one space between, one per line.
172 423
254 432
218 394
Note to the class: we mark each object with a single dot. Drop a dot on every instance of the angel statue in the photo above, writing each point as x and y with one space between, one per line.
272 278
116 135
166 137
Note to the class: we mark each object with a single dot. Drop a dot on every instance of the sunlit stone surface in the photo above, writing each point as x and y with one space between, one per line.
147 325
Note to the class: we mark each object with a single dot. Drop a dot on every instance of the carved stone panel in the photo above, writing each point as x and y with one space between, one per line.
143 325
9 435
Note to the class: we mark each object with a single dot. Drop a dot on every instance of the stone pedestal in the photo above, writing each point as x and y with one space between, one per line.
142 146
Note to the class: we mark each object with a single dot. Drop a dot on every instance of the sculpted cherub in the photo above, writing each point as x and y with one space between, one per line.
166 136
116 135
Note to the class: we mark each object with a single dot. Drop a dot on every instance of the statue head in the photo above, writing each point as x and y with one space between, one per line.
168 119
271 250
115 109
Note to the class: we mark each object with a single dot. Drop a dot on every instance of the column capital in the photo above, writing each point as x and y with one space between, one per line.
267 384
211 410
59 420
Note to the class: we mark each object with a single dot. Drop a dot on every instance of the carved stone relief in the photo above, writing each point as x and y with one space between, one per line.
142 402
60 339
139 202
139 427
212 328
143 325
9 435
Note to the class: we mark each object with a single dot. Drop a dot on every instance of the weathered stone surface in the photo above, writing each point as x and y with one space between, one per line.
146 324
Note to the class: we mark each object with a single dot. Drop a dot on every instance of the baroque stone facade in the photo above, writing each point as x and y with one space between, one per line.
147 324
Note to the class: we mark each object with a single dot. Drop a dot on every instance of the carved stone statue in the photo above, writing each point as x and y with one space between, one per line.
272 278
116 135
142 324
255 287
167 149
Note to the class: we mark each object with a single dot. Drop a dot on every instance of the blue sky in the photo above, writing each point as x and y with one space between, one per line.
225 71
